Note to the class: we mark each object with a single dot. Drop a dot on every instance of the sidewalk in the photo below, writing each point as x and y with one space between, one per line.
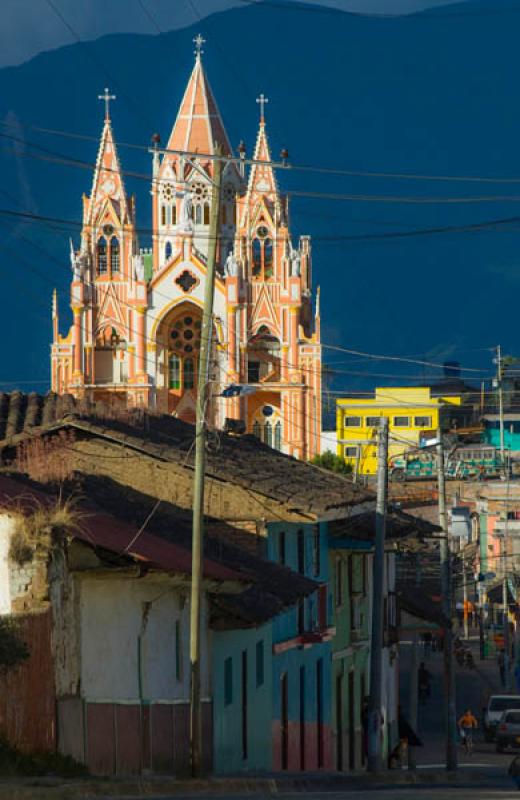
165 787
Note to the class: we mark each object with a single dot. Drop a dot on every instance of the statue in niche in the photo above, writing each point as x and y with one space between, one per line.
78 263
138 267
186 213
231 265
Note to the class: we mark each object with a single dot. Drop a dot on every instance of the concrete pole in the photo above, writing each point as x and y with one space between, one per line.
198 482
376 648
500 408
449 671
465 599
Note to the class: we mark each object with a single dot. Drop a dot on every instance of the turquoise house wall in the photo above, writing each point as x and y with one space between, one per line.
301 660
491 435
228 707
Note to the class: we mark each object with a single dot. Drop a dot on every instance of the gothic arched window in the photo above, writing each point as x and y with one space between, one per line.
168 251
189 373
206 213
198 215
278 436
114 255
256 429
257 256
163 215
268 258
174 214
102 264
174 371
268 434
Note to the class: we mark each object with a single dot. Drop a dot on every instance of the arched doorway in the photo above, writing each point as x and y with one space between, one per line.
178 338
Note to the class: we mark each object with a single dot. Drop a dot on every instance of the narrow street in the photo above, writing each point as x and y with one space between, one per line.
472 689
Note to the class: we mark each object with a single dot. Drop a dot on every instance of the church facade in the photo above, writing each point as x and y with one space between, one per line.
137 312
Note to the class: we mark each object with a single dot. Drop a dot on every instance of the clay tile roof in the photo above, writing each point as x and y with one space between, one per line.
113 515
244 461
398 526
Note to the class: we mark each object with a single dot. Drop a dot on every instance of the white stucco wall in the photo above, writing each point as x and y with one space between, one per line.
114 614
6 526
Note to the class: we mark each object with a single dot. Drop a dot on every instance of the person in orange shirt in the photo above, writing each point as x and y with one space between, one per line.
467 723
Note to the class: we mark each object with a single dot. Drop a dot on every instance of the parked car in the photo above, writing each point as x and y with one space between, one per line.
508 730
498 703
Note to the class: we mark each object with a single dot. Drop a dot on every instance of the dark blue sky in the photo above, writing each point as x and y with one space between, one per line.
433 94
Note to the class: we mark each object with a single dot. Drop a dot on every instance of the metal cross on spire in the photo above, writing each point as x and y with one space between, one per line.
262 100
198 42
107 97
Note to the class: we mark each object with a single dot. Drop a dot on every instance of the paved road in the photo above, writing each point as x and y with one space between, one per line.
472 687
401 793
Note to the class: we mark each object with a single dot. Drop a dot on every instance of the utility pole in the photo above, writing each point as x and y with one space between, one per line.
465 598
449 671
378 592
414 676
198 481
500 407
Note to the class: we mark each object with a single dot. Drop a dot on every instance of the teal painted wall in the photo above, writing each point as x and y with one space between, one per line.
227 716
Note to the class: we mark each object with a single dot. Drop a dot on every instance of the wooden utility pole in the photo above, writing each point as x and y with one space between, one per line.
198 481
445 559
378 594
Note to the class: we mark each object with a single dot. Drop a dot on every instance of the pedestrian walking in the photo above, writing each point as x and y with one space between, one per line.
501 661
424 678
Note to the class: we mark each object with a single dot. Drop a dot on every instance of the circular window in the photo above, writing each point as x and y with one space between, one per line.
187 320
229 192
188 334
167 191
174 334
262 232
108 230
188 348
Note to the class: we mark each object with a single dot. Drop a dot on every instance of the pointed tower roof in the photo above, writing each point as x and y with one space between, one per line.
262 179
199 124
108 180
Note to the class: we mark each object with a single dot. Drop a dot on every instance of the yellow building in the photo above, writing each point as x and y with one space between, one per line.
410 411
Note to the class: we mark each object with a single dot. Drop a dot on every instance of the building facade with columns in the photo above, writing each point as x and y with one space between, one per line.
137 312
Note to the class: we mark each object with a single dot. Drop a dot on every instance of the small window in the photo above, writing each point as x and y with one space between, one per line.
316 553
168 251
351 452
301 552
206 213
189 373
257 256
422 422
114 255
339 582
260 663
228 681
268 257
352 422
401 422
178 651
372 422
174 215
253 371
282 555
102 264
198 215
268 434
163 215
256 429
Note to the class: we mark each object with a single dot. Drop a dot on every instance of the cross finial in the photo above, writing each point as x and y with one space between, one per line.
262 100
107 97
198 42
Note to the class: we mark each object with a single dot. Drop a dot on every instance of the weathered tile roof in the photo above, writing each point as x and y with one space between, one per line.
398 526
115 514
243 461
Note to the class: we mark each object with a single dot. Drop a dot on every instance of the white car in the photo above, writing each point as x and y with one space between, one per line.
498 703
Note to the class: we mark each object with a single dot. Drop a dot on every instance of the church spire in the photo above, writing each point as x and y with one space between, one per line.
198 126
107 184
262 180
